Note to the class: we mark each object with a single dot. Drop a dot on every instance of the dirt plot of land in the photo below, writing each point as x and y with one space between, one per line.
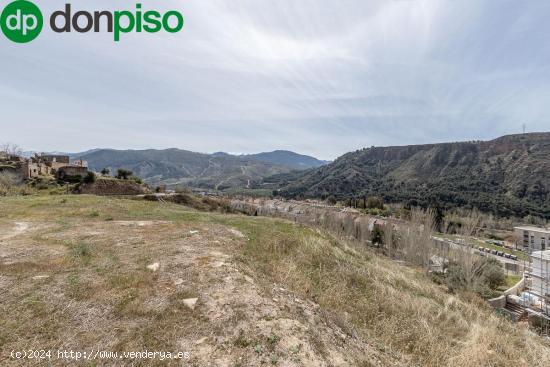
132 276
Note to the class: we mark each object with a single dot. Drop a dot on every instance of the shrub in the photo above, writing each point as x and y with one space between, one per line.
136 179
89 178
489 275
331 200
81 250
375 203
377 235
456 279
493 274
123 174
7 183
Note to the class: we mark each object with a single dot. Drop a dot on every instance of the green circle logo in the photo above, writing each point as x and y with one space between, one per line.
21 21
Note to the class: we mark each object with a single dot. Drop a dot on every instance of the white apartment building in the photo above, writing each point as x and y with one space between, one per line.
540 273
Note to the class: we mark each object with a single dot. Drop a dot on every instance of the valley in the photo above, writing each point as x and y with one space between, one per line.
219 171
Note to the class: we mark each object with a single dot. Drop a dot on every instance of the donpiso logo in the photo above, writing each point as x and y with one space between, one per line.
21 21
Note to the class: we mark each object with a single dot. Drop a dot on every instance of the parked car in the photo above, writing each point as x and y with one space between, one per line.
514 257
507 255
500 253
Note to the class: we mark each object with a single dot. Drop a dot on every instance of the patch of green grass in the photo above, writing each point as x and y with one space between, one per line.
242 341
273 339
512 280
295 349
73 280
34 303
258 348
82 250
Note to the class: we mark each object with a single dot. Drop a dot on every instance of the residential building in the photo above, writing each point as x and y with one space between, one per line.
540 273
532 238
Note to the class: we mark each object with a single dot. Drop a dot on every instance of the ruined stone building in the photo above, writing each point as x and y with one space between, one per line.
59 166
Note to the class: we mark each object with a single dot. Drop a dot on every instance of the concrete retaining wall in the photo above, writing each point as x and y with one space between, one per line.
500 302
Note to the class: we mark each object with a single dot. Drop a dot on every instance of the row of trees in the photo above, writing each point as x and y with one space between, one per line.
121 174
11 149
412 241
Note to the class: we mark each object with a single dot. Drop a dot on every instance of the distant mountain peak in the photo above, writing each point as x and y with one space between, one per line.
288 158
219 170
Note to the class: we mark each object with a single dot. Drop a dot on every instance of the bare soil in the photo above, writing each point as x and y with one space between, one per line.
84 284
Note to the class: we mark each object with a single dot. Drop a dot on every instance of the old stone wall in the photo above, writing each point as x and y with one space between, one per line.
112 187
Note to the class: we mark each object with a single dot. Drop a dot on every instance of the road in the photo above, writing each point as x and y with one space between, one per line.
474 250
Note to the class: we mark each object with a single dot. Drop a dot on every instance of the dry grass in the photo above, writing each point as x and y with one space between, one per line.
99 293
10 185
397 306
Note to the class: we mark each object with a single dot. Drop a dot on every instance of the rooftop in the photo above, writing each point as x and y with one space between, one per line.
533 229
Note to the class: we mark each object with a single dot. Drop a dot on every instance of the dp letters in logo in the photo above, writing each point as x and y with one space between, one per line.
21 21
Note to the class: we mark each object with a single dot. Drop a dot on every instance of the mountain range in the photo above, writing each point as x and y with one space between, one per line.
213 171
508 176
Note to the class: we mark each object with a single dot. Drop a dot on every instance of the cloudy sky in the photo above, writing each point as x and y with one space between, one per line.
320 77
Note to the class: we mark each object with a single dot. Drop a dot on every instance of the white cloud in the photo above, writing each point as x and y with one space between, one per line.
319 77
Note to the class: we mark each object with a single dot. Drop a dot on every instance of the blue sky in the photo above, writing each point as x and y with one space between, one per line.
314 76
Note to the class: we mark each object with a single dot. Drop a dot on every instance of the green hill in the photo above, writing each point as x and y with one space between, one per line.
508 176
288 159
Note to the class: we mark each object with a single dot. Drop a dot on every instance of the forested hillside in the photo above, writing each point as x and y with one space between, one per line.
506 176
